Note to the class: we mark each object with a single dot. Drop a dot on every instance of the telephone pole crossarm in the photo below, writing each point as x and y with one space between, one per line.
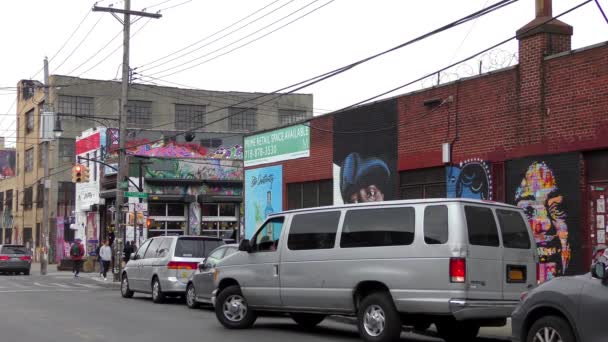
122 11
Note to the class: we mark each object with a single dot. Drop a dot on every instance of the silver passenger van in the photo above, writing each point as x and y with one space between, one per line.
459 264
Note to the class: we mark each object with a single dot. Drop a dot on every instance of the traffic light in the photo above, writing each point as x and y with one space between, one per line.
85 174
149 223
77 173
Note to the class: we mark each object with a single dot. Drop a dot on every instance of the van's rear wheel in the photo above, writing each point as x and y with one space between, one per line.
453 331
307 320
378 319
231 309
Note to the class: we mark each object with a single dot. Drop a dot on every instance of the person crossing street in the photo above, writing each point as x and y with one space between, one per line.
105 255
77 253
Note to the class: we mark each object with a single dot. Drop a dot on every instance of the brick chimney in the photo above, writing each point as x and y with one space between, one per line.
535 43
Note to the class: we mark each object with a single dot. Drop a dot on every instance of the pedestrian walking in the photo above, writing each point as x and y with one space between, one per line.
127 252
99 259
77 253
105 253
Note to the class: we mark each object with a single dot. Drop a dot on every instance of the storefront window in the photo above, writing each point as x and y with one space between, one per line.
169 219
227 209
219 220
175 209
210 209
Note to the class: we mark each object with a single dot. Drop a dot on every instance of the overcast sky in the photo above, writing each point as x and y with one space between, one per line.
334 35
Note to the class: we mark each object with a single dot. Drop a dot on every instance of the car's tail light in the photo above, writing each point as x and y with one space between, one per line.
458 270
4 257
182 265
26 258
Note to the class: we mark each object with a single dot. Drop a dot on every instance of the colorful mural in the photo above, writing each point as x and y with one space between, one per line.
263 196
470 179
365 154
7 163
195 218
202 169
547 190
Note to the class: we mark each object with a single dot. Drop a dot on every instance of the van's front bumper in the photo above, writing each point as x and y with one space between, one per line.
466 309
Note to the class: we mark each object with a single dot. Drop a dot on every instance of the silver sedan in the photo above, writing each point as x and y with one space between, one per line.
201 285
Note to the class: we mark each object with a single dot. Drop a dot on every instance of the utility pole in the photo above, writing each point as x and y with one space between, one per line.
123 171
45 208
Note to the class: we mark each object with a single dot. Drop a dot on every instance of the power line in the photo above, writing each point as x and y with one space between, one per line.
241 39
96 53
601 10
79 44
180 4
214 34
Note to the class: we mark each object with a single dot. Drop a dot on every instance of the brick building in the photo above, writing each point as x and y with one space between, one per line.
534 135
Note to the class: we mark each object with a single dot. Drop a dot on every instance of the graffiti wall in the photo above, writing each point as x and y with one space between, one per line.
470 179
201 169
7 163
365 154
547 189
263 196
92 236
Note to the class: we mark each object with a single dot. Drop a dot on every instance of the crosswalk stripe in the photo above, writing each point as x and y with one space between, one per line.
87 285
43 290
42 285
62 285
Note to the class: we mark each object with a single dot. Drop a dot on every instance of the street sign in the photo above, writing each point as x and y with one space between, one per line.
136 194
123 185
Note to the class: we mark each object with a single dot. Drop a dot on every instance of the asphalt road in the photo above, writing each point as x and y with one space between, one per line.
58 307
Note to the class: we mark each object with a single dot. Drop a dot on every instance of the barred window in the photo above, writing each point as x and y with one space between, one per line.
39 194
29 160
243 119
29 120
75 106
189 116
288 116
41 155
28 196
139 113
67 150
211 142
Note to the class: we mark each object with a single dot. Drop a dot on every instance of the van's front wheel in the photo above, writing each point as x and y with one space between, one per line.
453 331
378 319
231 309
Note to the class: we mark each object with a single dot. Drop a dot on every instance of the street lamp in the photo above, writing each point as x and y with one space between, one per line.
57 129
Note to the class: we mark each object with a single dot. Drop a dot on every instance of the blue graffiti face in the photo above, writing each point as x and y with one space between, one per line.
471 180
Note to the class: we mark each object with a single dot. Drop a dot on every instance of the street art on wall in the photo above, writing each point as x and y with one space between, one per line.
365 154
91 233
7 163
203 169
547 189
470 179
205 189
263 196
194 217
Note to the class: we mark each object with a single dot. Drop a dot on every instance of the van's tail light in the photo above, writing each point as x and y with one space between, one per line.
458 270
4 257
181 265
26 258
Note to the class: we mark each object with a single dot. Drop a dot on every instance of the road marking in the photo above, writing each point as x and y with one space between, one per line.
42 285
44 290
62 285
87 285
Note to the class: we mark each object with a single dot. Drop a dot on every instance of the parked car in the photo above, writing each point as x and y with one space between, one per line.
565 309
163 265
15 259
200 287
460 264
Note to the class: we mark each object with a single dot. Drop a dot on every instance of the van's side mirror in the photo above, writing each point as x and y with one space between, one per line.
133 256
201 266
245 246
599 271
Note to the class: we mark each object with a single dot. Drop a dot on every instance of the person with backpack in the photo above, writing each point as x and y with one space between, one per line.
77 253
105 255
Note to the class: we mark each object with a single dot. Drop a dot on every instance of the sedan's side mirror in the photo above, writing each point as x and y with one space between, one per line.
133 256
201 266
245 246
599 271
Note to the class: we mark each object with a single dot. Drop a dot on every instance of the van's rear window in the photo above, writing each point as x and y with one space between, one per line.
191 248
482 226
514 229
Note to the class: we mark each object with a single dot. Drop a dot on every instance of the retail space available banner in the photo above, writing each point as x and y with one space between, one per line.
365 154
282 144
263 196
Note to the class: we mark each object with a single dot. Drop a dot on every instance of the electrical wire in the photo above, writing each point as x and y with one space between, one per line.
241 39
601 10
79 44
180 4
143 66
96 53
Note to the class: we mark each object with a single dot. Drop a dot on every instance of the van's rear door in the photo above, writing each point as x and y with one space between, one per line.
519 261
484 259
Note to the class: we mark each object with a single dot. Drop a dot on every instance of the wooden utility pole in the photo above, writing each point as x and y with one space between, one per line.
44 262
123 170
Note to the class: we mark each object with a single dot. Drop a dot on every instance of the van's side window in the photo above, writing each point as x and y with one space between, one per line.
151 252
142 249
436 224
514 229
378 227
482 226
267 239
313 231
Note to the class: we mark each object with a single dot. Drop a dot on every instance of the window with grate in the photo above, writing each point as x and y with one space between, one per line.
41 155
423 183
29 121
75 106
8 203
67 150
287 116
39 195
309 194
1 201
189 116
211 142
139 113
28 198
243 119
66 196
29 160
